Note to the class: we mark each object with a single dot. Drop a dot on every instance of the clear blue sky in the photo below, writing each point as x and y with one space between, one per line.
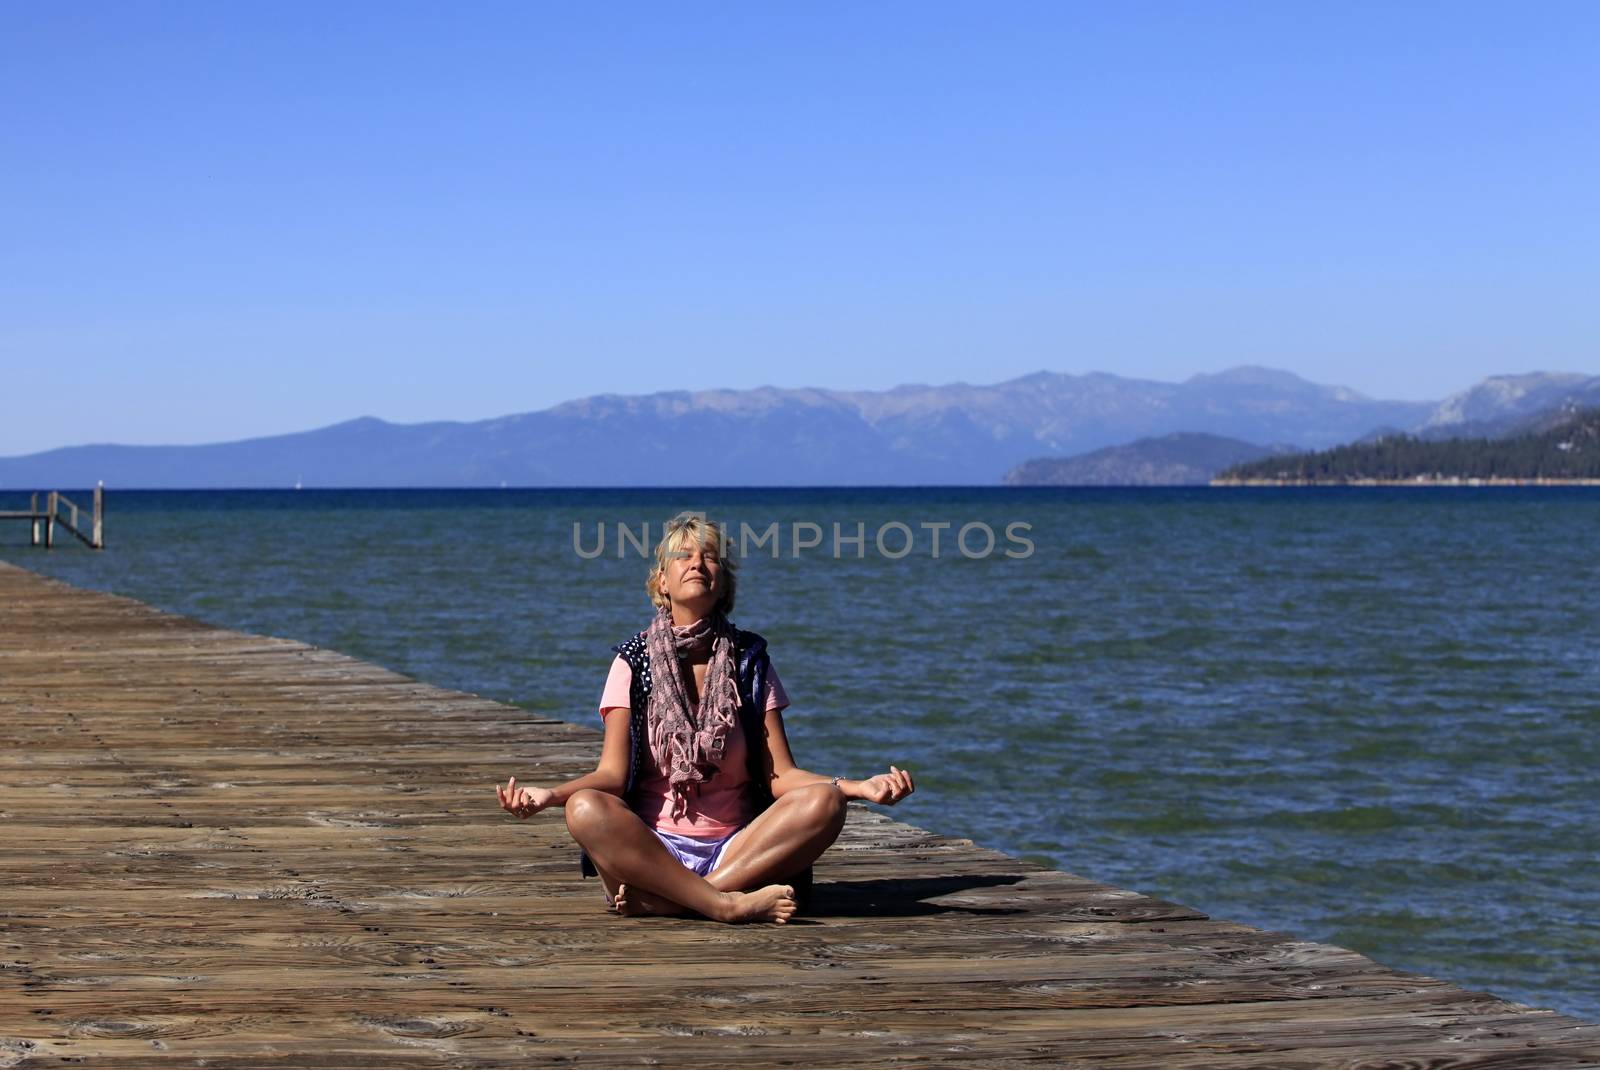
223 220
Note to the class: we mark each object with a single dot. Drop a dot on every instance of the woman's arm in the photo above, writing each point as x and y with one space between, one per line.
784 776
609 776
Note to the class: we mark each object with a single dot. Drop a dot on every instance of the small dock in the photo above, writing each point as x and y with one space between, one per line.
60 510
235 851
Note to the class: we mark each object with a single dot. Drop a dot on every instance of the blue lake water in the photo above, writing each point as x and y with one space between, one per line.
1365 716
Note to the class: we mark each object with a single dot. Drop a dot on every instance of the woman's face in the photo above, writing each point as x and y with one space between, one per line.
693 576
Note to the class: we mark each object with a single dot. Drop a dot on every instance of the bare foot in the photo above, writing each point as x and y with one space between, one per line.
774 903
634 903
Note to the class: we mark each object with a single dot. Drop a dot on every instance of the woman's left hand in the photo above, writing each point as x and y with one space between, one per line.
885 788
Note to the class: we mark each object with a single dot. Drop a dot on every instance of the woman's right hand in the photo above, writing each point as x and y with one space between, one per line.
524 802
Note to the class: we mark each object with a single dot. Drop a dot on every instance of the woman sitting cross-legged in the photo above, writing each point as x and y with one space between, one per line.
696 805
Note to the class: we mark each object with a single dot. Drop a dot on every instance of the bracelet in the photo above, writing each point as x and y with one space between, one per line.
836 780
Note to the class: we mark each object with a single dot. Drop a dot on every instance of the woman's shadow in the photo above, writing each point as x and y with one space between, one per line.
901 897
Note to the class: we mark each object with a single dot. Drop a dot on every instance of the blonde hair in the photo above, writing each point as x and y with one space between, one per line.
710 536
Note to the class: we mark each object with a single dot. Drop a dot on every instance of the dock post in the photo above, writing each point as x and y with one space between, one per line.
50 524
99 515
33 507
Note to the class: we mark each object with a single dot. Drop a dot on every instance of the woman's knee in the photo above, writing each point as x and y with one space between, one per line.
586 809
824 804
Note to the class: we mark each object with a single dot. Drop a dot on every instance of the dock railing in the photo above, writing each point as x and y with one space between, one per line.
62 510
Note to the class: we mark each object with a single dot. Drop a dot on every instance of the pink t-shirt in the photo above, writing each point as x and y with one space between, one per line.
720 805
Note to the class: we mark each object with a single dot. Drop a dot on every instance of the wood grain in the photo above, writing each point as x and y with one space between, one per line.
230 850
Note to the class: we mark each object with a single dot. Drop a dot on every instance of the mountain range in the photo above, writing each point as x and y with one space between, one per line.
957 433
1509 404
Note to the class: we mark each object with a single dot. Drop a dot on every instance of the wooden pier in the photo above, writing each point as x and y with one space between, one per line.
235 851
62 510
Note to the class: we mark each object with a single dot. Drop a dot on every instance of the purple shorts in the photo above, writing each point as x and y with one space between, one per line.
697 856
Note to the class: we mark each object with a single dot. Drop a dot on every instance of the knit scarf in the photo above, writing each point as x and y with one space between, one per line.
688 744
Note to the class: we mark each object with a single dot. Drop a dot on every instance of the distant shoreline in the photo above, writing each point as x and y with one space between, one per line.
1418 481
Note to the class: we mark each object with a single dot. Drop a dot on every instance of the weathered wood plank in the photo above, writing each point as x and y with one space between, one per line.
223 849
